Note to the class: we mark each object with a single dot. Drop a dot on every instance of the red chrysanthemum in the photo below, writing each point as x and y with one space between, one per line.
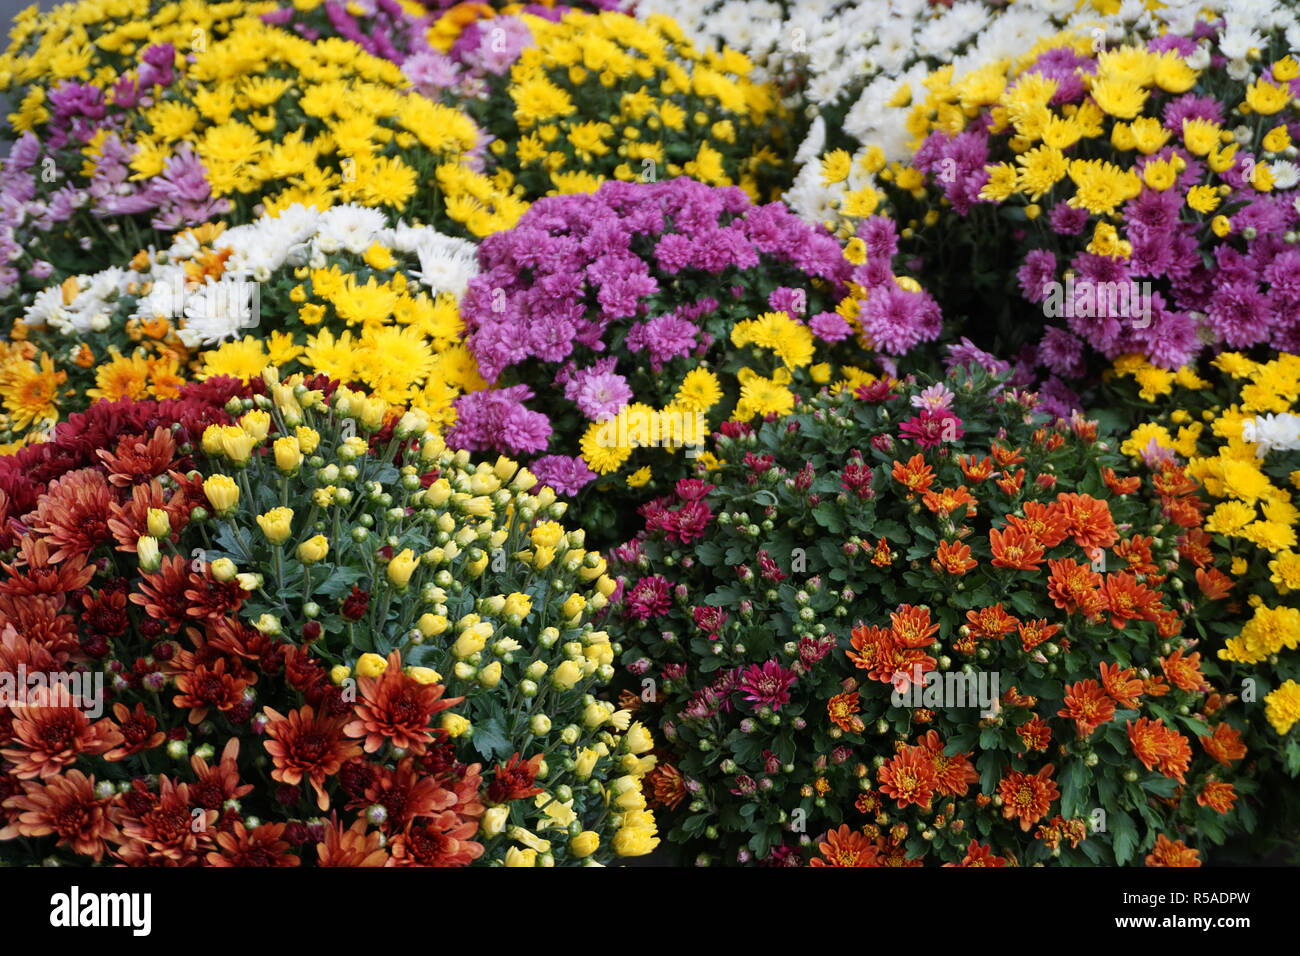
263 846
395 708
303 745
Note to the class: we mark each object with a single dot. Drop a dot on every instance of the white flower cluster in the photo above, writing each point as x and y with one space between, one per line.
173 284
1280 432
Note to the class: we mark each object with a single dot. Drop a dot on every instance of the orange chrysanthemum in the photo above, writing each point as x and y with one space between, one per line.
1034 734
1011 483
1168 852
1036 632
51 731
1122 684
65 806
1127 600
1224 744
909 777
978 854
1118 485
1218 796
1027 797
916 476
1087 704
974 470
1214 584
845 847
993 622
1075 587
397 709
843 712
1015 548
262 846
1088 521
1184 672
947 500
954 774
350 846
304 745
953 557
911 626
1158 746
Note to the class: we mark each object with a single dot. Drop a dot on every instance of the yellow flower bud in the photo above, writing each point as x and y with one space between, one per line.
490 676
339 673
308 439
520 604
566 675
518 857
423 675
159 523
472 640
223 569
401 568
584 844
314 549
222 493
431 625
288 455
585 763
256 423
634 841
276 524
573 606
146 550
638 739
454 724
371 665
494 821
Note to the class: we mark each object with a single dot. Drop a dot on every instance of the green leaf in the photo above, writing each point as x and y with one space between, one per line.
1124 836
339 582
489 738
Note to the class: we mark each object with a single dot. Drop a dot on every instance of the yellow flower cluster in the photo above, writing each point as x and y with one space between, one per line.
274 118
606 95
1232 455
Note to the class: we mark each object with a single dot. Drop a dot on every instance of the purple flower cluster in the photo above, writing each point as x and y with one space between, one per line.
1180 289
594 296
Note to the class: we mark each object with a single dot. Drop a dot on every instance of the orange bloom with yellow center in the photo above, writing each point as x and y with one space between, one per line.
1034 734
1027 797
976 470
1126 600
1218 796
1012 482
1033 633
121 377
916 476
911 626
1169 852
991 622
1087 704
1184 672
1157 746
1075 587
1044 522
1118 485
1087 520
1015 548
1224 744
845 847
1006 457
843 709
909 777
947 500
953 557
1122 685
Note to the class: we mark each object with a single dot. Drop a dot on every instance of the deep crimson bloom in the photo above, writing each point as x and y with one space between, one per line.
397 709
66 806
263 846
304 745
355 604
138 730
767 684
929 428
514 779
649 597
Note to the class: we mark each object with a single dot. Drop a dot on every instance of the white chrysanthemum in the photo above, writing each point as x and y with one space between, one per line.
47 308
813 144
350 227
1280 432
217 311
166 296
811 200
1286 174
447 264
